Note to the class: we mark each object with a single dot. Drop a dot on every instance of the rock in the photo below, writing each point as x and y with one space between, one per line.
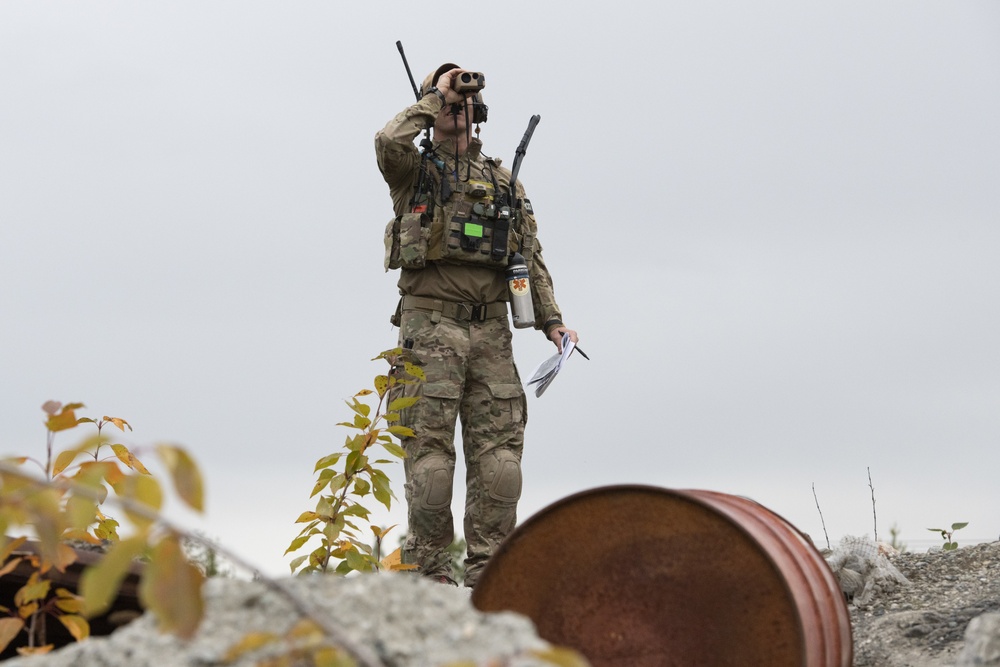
863 569
982 642
923 623
407 621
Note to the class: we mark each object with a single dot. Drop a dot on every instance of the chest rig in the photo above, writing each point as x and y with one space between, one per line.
461 215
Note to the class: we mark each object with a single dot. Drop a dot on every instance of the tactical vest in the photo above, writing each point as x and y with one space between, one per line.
467 224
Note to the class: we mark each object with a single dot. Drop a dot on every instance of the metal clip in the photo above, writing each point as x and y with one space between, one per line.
477 311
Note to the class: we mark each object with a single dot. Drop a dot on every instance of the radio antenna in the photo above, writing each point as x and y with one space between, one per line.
522 148
416 91
426 144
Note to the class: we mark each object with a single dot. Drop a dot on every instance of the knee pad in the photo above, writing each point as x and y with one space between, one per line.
432 480
501 474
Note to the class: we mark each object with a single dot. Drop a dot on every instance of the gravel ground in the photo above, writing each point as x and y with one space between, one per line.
923 624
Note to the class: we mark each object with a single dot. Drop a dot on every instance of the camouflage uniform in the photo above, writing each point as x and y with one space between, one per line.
455 314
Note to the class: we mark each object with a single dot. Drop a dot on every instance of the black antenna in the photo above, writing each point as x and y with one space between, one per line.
425 144
416 91
522 148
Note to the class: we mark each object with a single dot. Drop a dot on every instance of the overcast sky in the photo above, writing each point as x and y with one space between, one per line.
774 225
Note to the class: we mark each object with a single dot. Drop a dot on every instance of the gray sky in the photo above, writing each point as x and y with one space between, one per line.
774 225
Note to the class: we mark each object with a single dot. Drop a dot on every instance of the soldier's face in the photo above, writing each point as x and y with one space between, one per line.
452 118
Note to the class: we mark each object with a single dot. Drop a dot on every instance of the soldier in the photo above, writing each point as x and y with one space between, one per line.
453 316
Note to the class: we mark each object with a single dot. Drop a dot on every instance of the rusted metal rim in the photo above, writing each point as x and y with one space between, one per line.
642 576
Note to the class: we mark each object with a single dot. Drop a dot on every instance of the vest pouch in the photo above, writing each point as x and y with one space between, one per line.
527 245
391 240
475 235
406 241
469 242
464 237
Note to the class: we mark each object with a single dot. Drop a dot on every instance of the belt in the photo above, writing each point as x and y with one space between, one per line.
467 312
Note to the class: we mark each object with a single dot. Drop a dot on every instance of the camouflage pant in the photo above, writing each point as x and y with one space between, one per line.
470 376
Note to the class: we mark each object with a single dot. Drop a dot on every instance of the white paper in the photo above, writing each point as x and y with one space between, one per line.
548 369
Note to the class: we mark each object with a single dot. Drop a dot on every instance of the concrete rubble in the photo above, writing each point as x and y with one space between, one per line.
406 620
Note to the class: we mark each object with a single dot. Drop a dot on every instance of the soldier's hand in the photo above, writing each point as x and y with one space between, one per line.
556 336
444 85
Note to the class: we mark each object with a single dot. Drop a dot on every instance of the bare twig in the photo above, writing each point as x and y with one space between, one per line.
874 515
50 438
365 656
821 516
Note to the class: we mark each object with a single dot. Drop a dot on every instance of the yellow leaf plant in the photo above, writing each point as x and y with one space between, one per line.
61 507
347 477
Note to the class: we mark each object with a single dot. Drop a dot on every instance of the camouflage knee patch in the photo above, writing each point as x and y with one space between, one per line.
432 481
501 473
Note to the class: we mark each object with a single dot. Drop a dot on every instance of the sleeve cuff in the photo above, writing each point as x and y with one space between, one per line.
436 93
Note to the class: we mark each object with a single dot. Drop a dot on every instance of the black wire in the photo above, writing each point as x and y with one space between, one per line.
468 134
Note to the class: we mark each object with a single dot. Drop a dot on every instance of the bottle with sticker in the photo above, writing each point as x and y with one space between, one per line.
522 309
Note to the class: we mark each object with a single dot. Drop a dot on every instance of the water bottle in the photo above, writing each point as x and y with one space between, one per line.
521 308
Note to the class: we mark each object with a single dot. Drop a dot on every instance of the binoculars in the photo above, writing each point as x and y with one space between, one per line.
469 82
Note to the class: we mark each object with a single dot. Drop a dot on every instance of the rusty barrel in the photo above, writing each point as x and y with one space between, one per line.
640 576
